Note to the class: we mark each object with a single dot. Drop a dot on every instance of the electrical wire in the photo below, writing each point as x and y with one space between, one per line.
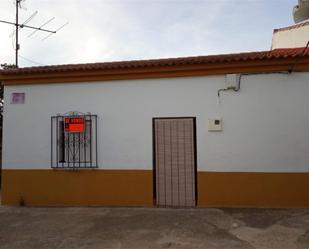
298 58
31 61
232 88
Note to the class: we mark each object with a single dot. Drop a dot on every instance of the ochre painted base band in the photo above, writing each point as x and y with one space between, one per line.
135 188
77 188
271 190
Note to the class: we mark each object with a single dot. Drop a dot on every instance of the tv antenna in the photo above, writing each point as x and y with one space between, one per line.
19 26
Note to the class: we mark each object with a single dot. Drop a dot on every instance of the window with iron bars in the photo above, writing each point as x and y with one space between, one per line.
74 141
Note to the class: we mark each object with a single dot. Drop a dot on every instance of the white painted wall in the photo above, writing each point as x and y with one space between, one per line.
293 38
266 124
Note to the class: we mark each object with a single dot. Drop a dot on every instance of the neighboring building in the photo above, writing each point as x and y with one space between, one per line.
296 36
301 11
210 131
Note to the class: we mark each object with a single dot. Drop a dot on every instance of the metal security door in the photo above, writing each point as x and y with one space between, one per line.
174 162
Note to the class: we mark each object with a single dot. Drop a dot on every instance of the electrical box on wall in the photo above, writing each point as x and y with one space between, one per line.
215 124
231 80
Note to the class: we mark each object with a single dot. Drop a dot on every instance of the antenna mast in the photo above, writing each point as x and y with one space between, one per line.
18 25
16 33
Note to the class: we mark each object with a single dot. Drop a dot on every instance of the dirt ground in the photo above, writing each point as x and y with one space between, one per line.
41 228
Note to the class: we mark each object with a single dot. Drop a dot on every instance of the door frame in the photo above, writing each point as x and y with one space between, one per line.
154 156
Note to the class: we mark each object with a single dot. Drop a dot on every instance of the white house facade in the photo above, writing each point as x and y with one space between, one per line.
212 131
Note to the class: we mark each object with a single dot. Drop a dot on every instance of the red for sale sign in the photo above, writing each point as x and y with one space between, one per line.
74 124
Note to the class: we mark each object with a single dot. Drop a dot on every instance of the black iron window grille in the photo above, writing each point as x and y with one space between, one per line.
74 141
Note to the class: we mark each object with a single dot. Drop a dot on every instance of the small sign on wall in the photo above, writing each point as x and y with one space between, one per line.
74 124
18 98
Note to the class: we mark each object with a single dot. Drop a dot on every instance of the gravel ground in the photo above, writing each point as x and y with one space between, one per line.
42 228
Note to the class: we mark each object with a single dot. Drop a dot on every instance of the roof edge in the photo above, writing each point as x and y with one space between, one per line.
267 61
282 65
296 26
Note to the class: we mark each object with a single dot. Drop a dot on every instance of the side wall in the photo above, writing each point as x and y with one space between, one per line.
292 38
265 137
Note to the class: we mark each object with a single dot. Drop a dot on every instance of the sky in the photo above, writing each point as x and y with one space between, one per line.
116 30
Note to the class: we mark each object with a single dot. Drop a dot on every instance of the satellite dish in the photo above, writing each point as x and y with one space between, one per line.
301 11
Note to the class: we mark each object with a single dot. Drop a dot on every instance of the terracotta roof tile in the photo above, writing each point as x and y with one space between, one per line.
197 60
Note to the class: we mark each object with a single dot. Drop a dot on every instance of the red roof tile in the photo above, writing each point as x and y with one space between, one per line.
182 61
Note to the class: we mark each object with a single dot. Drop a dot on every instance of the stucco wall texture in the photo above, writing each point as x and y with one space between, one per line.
265 124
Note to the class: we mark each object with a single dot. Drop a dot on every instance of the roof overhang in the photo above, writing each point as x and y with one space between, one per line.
256 62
